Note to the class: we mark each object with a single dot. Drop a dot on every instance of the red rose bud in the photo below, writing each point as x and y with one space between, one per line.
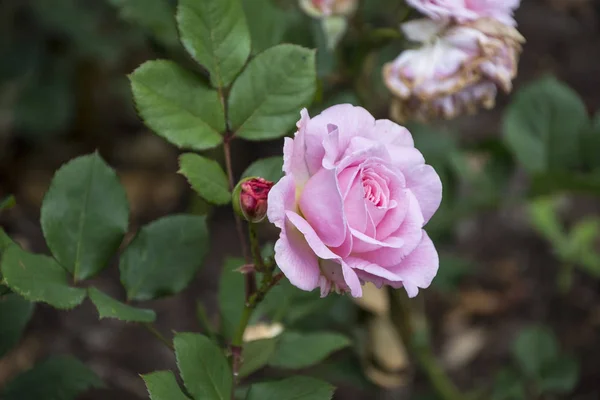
250 198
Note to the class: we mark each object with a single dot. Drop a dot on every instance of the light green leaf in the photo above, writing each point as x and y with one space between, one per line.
267 23
231 295
156 16
268 168
560 376
58 378
215 34
206 177
544 124
39 278
580 246
84 215
295 388
534 349
164 256
508 386
203 367
266 99
111 308
544 218
256 354
7 203
177 105
300 350
15 313
162 385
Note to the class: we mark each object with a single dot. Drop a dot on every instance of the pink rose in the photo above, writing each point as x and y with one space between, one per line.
458 69
468 10
352 205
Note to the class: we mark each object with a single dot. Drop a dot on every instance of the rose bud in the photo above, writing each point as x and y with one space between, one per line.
326 8
352 205
250 198
458 69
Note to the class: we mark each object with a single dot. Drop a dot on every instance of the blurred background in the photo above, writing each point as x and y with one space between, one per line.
64 92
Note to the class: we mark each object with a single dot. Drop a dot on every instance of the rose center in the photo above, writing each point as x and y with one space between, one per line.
375 188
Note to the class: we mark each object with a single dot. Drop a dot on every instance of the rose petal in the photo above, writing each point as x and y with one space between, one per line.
322 206
282 197
294 150
426 185
296 260
352 280
313 240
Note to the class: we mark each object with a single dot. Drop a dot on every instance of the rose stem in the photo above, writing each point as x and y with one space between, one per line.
159 336
420 349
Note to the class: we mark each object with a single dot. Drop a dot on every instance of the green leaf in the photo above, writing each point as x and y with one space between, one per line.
215 34
256 354
267 23
560 376
39 278
206 177
300 350
203 367
164 256
58 378
7 203
156 16
591 144
566 181
111 308
177 105
231 295
508 386
84 215
534 349
580 247
162 385
266 99
15 313
543 215
268 168
295 388
544 124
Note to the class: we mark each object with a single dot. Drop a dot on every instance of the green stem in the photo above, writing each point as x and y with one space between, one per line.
255 248
420 349
150 328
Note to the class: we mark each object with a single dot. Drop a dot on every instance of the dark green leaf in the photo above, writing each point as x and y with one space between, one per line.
164 256
300 350
39 278
111 308
267 23
560 376
177 105
231 295
565 181
162 385
154 15
84 215
215 34
508 386
268 168
256 354
266 99
295 388
203 367
15 313
543 126
58 378
7 203
206 177
591 144
535 347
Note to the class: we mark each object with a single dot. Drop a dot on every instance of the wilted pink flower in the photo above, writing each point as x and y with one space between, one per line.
457 70
468 10
352 205
250 198
326 8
